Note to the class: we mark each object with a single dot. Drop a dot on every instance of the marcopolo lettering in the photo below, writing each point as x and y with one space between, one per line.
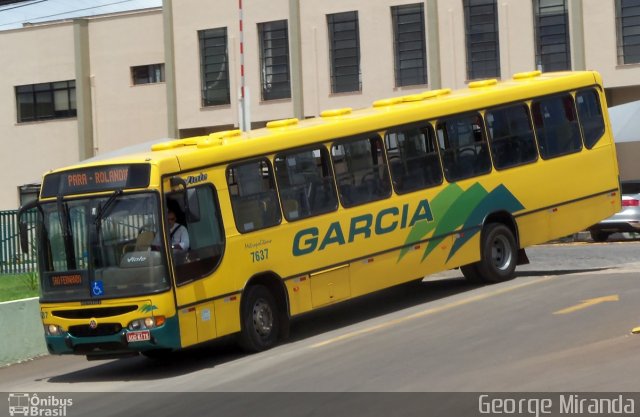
387 220
191 179
136 259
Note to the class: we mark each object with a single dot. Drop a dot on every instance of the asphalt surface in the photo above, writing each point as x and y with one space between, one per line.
563 325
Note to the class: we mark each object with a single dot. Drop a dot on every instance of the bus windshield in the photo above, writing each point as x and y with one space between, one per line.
102 247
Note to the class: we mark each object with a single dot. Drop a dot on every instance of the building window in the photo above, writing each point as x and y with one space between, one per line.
409 41
553 52
274 58
147 74
344 49
483 48
214 67
46 101
628 28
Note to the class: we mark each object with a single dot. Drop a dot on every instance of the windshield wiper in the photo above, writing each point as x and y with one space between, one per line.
67 234
104 209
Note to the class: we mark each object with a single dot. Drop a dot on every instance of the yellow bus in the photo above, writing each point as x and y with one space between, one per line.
303 214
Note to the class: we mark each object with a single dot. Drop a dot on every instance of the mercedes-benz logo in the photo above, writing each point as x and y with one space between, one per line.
93 323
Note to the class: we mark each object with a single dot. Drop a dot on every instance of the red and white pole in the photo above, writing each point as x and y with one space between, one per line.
245 117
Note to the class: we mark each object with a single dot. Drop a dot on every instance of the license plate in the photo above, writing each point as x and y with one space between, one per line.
140 336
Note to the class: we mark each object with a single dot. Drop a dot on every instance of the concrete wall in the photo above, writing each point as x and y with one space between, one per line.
123 113
21 333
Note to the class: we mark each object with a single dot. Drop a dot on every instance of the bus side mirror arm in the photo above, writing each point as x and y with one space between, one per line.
176 182
22 225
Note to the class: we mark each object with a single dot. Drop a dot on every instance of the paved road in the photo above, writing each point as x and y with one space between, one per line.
535 333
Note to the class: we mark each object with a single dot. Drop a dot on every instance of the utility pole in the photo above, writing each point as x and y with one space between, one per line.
244 99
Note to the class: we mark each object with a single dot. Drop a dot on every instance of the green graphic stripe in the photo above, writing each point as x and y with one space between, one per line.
439 206
454 208
498 199
456 214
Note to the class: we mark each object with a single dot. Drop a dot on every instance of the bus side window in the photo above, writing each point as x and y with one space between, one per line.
361 170
556 126
413 158
590 114
305 183
511 136
463 147
253 195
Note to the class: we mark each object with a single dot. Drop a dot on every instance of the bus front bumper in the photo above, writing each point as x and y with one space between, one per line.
166 337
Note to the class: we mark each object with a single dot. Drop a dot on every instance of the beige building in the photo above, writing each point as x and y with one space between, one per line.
72 89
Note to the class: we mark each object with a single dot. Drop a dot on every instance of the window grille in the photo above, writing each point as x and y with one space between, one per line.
214 66
274 57
409 41
553 51
628 30
344 48
483 48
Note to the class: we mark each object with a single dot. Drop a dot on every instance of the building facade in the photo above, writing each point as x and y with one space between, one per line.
73 89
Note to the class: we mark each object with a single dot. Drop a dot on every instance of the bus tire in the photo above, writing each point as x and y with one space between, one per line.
499 254
157 354
471 274
260 320
599 236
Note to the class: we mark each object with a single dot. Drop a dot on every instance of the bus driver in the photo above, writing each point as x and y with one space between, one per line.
178 234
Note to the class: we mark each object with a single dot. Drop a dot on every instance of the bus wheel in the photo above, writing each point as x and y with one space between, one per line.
260 321
499 254
157 354
599 236
471 274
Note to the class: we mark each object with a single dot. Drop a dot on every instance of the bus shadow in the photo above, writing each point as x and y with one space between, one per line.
210 355
544 273
225 350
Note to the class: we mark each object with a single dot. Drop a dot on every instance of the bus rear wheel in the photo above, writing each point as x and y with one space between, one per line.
260 320
499 256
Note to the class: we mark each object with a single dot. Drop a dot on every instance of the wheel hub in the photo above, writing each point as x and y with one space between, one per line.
501 253
262 318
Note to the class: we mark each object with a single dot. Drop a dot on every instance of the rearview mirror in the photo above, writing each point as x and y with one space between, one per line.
188 196
24 237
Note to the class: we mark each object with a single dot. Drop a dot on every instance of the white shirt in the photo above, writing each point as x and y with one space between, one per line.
179 237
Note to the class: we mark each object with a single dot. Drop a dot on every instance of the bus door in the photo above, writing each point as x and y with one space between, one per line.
196 208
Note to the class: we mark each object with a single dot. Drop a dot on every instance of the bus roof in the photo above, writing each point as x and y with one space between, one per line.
221 147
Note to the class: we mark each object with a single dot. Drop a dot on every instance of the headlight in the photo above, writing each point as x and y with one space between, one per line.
52 330
146 323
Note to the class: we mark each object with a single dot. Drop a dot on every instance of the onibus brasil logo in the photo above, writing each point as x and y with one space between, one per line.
23 404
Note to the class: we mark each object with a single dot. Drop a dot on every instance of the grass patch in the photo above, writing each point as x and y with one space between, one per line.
16 287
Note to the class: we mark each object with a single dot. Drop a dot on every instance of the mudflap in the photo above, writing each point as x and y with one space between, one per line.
522 257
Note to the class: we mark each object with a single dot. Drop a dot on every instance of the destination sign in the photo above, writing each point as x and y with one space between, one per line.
67 280
93 179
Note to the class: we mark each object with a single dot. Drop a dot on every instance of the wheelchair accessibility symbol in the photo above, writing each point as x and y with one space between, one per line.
97 288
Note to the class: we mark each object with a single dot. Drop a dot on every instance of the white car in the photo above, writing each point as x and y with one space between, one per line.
626 220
